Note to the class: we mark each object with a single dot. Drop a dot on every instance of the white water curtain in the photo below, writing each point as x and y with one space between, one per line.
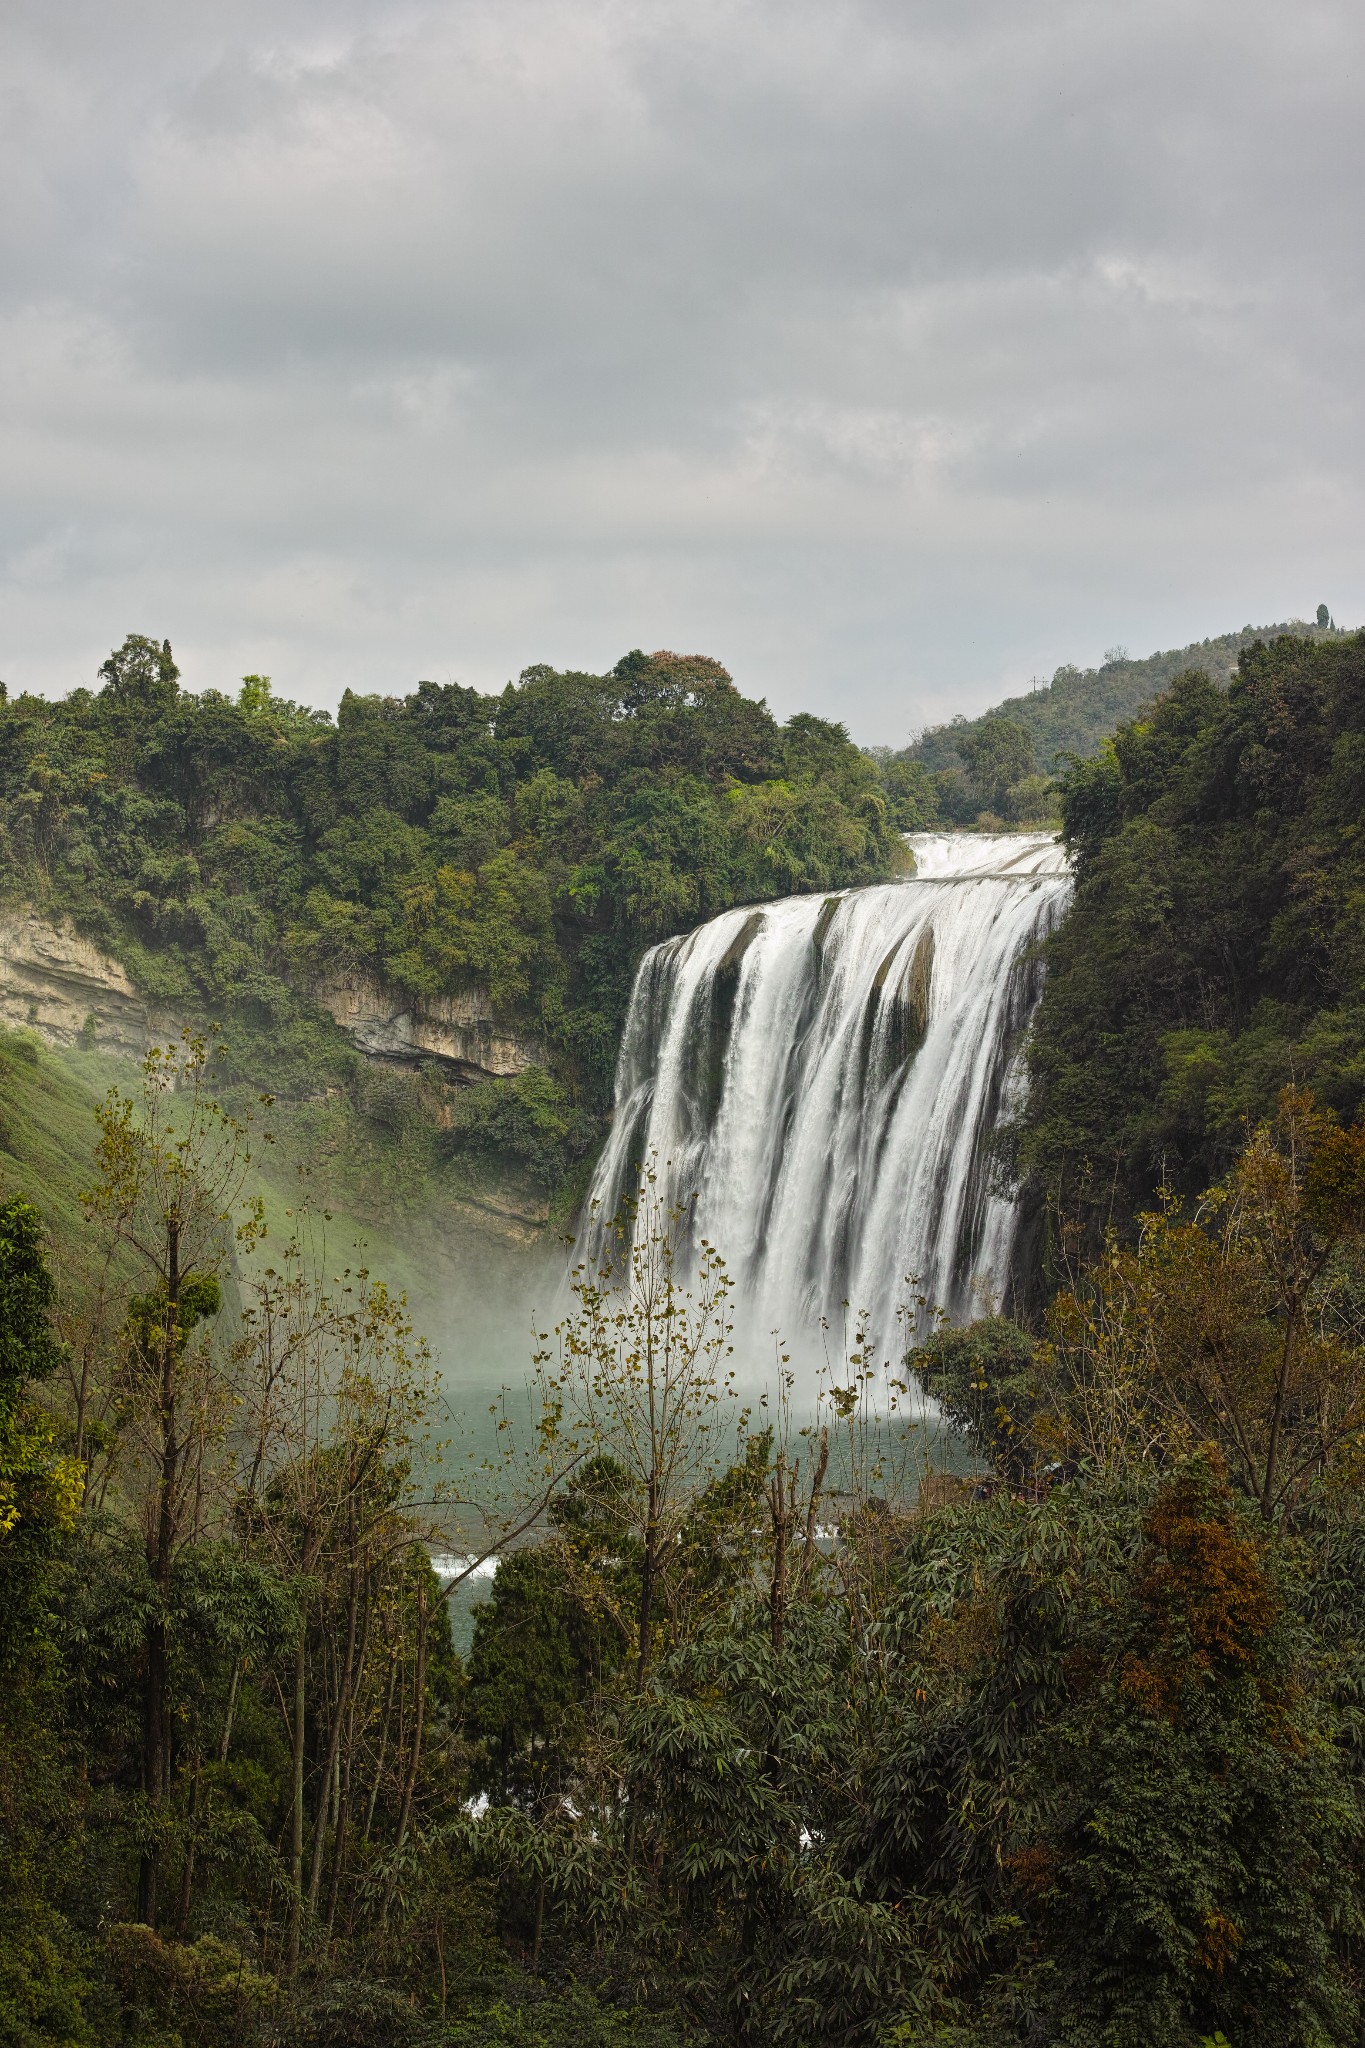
817 1080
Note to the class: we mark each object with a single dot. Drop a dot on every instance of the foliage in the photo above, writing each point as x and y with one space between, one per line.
641 1368
983 1378
239 855
1078 710
528 1117
998 769
1212 955
41 1980
997 755
39 1490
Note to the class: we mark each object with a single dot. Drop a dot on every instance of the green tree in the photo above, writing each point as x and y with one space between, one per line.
141 676
984 1378
1212 954
640 1369
39 1491
998 753
42 1985
170 1170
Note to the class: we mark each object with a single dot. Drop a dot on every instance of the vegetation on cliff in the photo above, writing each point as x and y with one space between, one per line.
530 844
1213 953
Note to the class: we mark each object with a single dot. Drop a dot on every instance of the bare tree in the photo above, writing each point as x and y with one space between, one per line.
642 1367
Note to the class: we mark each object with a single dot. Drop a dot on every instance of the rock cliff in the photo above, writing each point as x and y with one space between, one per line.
458 1031
62 986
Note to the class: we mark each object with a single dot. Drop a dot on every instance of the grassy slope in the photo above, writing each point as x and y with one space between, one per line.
47 1134
420 1223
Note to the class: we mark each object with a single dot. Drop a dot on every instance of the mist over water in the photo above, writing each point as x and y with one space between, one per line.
815 1083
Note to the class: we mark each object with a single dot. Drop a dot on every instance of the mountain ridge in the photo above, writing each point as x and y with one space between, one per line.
1080 708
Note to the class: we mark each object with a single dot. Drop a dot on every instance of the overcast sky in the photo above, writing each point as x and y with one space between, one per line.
891 351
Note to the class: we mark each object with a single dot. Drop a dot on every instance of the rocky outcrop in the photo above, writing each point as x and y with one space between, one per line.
70 992
58 984
458 1031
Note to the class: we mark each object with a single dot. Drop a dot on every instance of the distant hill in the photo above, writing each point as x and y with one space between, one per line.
1079 708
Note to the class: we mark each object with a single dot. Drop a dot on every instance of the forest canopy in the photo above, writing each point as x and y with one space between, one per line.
1214 950
771 1731
530 844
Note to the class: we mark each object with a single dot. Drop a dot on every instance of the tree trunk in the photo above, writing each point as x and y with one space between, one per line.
182 1911
1272 1453
647 1575
296 1808
161 1554
329 1768
226 1744
779 1508
415 1758
383 1748
812 1506
342 1842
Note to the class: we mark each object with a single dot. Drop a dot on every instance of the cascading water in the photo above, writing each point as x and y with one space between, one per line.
815 1083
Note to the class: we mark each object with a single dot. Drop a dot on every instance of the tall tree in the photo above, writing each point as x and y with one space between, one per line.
171 1165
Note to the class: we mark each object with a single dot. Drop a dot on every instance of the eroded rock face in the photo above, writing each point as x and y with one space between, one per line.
459 1031
70 992
62 986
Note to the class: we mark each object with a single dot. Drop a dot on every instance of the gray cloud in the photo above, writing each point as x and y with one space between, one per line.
891 352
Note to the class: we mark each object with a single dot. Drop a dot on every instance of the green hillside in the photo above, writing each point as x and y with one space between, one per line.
434 1224
526 845
1079 708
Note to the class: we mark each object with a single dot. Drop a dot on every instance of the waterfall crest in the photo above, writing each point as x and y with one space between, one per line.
817 1080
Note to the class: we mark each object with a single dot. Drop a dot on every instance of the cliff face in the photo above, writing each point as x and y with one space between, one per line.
66 989
58 984
459 1031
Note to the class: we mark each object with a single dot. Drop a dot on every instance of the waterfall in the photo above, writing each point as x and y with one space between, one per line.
816 1081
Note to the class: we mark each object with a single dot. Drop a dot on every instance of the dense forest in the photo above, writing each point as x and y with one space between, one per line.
770 1729
766 1733
529 844
1213 953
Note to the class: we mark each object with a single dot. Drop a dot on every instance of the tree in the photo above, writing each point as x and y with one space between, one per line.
1212 952
641 1368
141 676
254 697
997 754
333 1388
170 1171
41 1987
39 1490
984 1379
1237 1324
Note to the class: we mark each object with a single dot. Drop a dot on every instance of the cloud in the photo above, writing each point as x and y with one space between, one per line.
889 352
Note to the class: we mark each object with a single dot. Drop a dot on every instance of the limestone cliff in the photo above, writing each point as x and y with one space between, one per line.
68 990
458 1031
62 986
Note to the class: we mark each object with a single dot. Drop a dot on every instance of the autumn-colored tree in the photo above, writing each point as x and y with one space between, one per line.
1235 1323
